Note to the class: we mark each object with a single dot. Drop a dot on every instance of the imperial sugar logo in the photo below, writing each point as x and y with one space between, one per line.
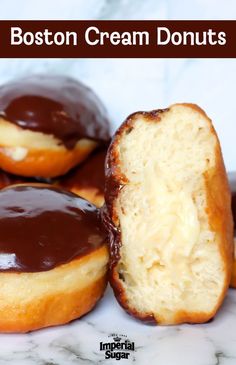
118 347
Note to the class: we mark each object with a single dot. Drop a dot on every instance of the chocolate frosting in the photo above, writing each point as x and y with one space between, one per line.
56 105
42 227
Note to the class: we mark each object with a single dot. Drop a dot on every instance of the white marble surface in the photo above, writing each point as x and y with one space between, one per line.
212 343
126 86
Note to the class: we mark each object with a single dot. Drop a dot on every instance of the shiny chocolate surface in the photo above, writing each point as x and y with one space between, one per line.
42 227
55 105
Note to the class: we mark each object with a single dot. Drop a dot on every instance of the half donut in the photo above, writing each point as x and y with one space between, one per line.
168 215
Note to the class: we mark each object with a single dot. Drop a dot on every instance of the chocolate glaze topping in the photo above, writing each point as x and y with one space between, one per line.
42 227
90 174
56 105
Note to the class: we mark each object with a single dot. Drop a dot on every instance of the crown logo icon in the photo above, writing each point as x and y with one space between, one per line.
117 339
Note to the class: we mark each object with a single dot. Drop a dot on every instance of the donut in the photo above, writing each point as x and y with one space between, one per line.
48 124
168 215
53 257
232 181
88 179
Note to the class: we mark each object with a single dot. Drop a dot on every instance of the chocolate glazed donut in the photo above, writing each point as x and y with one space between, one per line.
86 180
56 105
53 243
61 121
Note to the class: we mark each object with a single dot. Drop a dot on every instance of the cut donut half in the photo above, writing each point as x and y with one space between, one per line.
168 215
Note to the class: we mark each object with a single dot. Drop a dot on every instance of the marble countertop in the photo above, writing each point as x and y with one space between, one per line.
213 343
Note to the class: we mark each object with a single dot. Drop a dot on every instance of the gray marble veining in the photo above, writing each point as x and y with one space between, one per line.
213 343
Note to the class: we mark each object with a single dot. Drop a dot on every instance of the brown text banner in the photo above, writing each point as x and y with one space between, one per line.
118 39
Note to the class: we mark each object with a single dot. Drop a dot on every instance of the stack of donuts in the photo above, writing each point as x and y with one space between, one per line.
53 129
54 133
151 212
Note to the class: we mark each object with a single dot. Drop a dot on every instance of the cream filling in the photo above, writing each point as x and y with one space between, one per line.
13 136
15 153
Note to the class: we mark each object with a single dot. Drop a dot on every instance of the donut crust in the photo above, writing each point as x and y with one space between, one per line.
45 163
233 276
30 301
217 209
